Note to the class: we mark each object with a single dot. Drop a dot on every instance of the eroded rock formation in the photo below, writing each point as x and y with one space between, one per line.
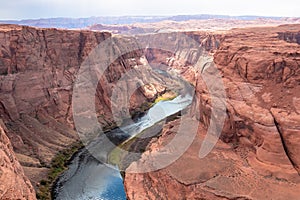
14 183
258 154
38 68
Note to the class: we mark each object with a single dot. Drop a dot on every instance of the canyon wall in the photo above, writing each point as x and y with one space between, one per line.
257 154
38 68
14 184
256 157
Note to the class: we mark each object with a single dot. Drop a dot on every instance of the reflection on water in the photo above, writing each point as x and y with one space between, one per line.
158 112
87 178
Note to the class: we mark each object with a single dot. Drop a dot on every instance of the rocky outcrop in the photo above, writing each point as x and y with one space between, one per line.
14 184
256 157
259 141
262 80
290 36
38 68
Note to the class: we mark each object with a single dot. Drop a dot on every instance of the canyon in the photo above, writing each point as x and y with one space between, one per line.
38 68
257 154
255 158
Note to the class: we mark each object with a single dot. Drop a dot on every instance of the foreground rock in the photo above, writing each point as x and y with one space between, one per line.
15 185
257 155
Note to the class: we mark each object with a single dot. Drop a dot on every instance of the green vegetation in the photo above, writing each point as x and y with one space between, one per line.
168 96
146 106
57 167
115 155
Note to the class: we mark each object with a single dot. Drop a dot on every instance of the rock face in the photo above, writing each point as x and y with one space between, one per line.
38 68
257 156
14 184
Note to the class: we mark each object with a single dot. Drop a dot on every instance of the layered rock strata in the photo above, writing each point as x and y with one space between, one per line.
256 157
257 154
38 68
14 183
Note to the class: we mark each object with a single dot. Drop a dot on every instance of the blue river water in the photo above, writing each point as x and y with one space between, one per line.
89 179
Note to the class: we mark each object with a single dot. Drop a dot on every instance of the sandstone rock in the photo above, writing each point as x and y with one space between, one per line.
223 174
38 68
261 78
288 125
14 184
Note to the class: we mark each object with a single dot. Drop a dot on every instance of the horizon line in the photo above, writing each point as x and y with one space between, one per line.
140 16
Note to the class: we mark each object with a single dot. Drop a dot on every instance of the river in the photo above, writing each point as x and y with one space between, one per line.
88 178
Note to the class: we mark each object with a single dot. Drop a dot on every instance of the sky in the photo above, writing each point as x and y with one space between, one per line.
33 9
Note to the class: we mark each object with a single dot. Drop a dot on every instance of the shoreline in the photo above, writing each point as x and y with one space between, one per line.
61 161
115 157
59 165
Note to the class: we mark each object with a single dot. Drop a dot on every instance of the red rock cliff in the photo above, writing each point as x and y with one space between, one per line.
14 184
257 156
38 68
257 153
